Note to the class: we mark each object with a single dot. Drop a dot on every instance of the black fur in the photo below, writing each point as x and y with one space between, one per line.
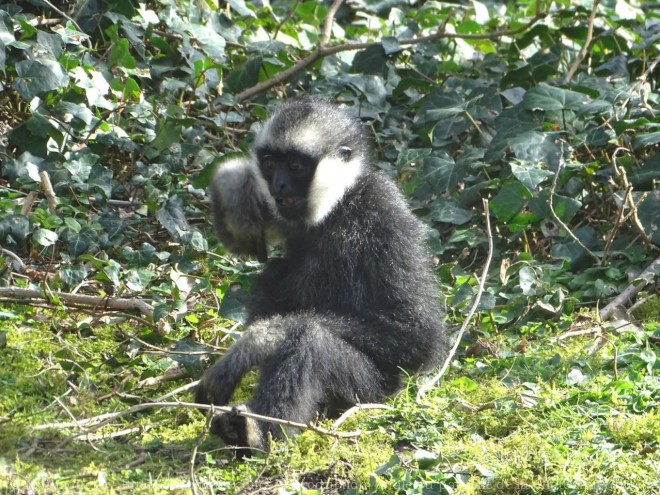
350 307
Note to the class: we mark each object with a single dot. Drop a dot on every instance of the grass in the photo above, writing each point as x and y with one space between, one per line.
527 413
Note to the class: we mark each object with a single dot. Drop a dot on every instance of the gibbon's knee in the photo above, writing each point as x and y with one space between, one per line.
256 345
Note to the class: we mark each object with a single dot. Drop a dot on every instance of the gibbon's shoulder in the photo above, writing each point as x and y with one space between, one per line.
376 195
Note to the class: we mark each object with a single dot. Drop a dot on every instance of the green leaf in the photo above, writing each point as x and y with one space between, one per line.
234 302
371 60
529 173
73 275
244 77
189 355
241 8
446 210
45 237
172 217
120 55
510 201
137 279
550 98
168 132
36 77
646 140
411 156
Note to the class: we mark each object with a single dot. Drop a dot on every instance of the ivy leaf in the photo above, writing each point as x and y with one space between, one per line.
101 177
550 98
45 237
120 55
446 210
72 275
244 77
371 60
172 217
6 29
137 279
510 201
39 76
530 174
234 303
241 8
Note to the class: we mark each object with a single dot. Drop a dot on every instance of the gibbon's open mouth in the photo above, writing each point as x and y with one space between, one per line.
289 202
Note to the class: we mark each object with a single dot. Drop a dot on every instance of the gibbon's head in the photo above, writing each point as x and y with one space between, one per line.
310 152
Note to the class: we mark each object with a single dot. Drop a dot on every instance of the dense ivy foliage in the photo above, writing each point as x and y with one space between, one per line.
113 115
126 107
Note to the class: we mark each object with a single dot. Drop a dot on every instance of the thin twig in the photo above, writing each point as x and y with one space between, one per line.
482 282
97 422
355 409
585 45
288 16
553 188
9 254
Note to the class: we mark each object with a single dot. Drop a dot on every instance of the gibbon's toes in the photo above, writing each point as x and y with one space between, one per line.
240 433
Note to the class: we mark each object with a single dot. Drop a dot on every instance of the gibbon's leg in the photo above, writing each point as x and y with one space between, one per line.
312 368
258 342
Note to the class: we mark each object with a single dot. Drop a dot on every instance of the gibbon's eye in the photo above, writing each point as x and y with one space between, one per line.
345 152
295 166
267 163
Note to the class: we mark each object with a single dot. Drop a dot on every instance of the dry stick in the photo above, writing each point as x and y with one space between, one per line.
97 422
638 284
286 18
328 22
585 47
51 199
356 408
623 176
553 188
29 201
10 254
323 50
121 304
482 282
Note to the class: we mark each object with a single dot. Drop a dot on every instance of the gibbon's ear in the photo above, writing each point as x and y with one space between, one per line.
345 153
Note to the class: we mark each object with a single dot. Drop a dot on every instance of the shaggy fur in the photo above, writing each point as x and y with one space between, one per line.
352 304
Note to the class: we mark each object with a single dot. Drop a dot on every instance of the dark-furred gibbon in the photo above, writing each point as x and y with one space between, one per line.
351 306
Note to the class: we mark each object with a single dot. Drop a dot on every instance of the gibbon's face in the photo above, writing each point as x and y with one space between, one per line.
289 175
310 152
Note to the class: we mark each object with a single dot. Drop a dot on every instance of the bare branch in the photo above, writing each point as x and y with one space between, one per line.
96 302
482 282
585 47
92 424
329 21
638 284
51 199
323 50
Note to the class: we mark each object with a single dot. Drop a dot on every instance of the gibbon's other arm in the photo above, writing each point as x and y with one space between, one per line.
242 207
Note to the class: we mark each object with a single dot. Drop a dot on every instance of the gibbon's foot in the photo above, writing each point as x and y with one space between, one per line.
243 435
